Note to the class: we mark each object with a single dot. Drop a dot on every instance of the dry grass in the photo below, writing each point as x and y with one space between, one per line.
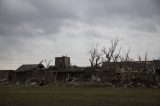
82 96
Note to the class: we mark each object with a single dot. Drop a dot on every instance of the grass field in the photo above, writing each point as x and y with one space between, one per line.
82 96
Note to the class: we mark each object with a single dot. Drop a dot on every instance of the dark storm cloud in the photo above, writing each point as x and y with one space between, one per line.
137 8
28 27
34 17
25 17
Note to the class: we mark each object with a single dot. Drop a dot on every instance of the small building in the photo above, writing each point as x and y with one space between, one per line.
62 62
27 71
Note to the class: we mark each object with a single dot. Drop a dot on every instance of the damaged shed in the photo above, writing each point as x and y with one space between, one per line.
28 71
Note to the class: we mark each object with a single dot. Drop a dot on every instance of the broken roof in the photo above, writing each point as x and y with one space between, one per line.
29 67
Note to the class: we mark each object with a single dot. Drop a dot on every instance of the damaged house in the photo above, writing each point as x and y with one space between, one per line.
109 72
62 62
26 72
62 71
131 71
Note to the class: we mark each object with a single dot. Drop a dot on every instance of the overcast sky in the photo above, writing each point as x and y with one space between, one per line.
32 30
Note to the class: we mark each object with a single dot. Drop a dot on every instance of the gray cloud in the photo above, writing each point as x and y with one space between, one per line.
135 8
27 17
37 29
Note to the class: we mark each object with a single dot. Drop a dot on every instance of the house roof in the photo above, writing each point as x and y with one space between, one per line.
29 67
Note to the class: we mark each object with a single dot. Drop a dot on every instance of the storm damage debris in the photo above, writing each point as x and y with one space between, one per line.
112 74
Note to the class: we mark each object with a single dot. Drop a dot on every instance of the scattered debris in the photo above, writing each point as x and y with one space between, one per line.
4 81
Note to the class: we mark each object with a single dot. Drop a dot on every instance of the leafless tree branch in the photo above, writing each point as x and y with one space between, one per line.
110 52
95 56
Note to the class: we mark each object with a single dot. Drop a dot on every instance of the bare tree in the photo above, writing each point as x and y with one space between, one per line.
146 57
139 58
48 62
117 56
127 58
46 71
110 52
95 57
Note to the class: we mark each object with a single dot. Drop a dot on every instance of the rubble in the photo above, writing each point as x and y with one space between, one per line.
4 81
73 82
110 74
